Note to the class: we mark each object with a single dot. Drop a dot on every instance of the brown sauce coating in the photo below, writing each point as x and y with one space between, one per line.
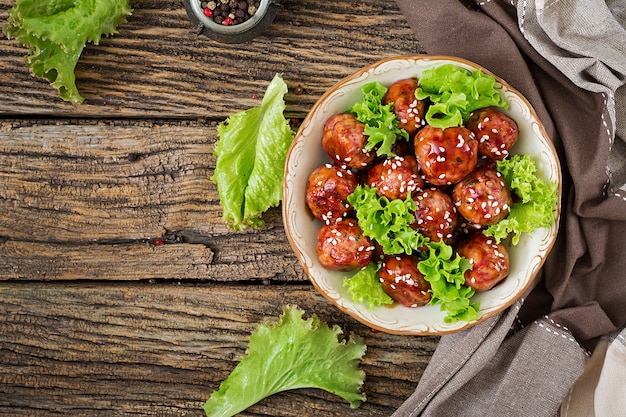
490 261
342 246
395 177
482 197
436 216
445 155
403 282
344 140
327 191
495 132
408 109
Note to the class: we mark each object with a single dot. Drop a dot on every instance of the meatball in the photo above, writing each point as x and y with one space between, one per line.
435 216
344 140
403 282
495 132
342 246
327 190
395 177
490 261
446 155
482 197
408 109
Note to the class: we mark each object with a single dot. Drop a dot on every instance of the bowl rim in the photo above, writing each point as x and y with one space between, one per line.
524 290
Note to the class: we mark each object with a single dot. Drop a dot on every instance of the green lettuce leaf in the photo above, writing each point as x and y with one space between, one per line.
389 224
251 154
386 221
56 32
364 287
455 92
292 354
444 270
538 200
381 124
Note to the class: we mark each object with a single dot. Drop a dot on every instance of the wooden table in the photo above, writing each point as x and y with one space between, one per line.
97 317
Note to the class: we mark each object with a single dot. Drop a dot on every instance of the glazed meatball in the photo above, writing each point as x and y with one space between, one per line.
403 281
342 246
327 190
344 140
395 177
482 197
435 216
490 261
495 132
446 155
408 109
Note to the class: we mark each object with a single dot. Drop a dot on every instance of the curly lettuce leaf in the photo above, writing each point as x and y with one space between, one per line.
455 92
538 200
381 124
56 33
251 154
364 287
389 224
292 354
444 270
386 221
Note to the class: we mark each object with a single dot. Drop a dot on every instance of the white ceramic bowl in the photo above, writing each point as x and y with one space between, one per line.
306 154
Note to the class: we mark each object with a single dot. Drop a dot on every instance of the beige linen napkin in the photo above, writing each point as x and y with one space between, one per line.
601 389
524 361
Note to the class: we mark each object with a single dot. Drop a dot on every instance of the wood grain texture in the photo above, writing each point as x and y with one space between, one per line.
122 292
157 66
87 199
161 349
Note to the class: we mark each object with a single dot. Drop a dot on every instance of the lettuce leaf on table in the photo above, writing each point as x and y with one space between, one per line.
251 154
292 354
56 33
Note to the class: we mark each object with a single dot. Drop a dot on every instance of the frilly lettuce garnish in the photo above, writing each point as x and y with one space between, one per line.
292 354
381 124
386 221
455 92
364 287
538 200
251 154
56 32
389 224
444 270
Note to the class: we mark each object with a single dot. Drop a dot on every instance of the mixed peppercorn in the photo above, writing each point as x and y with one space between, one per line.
230 12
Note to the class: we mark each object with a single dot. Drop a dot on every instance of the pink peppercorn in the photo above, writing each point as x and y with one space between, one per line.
208 12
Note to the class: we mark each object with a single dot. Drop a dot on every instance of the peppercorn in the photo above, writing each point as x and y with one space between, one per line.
229 12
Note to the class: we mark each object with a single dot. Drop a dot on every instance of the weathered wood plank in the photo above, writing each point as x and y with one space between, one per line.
67 186
251 258
161 349
156 66
108 181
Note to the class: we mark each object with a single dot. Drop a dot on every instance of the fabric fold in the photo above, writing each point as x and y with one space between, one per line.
523 361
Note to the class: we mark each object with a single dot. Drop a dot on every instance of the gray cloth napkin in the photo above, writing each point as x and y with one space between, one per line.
566 58
586 41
